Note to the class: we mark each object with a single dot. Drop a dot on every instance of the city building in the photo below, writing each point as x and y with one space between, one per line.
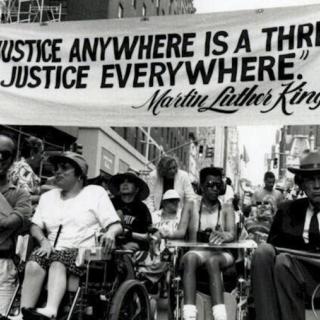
111 9
291 142
116 149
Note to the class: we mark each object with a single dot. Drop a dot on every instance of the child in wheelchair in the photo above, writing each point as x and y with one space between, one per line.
168 223
129 192
65 220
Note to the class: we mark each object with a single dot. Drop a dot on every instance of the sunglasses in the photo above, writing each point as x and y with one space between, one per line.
259 203
211 184
5 155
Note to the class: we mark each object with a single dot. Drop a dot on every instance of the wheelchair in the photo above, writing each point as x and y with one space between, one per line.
108 290
236 281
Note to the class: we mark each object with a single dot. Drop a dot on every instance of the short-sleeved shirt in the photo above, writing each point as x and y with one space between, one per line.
136 215
80 217
22 175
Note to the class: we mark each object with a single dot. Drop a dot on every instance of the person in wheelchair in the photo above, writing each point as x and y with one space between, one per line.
170 222
130 191
214 224
66 219
259 223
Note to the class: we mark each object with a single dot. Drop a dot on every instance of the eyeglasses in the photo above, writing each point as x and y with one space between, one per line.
5 155
211 184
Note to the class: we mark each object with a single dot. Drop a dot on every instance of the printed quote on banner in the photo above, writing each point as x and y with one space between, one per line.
195 67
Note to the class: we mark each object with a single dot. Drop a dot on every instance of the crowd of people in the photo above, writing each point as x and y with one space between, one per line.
140 214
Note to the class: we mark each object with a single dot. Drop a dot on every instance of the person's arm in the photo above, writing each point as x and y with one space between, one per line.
108 238
151 181
21 213
254 199
228 234
275 234
12 222
45 248
189 192
146 224
229 224
184 222
193 221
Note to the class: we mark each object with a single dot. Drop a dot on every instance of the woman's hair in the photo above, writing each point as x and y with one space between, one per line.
164 164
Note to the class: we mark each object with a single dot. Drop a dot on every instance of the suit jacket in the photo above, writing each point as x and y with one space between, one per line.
182 185
288 224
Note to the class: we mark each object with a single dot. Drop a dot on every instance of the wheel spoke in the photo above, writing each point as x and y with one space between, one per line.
134 303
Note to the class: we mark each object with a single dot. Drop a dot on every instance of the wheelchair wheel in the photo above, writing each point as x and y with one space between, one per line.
125 268
131 301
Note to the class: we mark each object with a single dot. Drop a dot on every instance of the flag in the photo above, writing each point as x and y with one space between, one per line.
245 156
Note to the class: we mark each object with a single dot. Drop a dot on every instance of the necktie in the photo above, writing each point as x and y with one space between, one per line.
314 234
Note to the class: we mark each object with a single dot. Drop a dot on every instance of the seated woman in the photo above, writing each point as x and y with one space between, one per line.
259 222
129 192
169 221
66 219
216 225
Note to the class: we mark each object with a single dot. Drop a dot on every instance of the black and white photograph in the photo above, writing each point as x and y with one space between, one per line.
159 160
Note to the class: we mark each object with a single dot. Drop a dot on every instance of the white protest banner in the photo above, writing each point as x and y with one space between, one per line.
232 68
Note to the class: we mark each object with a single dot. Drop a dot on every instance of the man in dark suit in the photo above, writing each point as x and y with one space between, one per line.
282 281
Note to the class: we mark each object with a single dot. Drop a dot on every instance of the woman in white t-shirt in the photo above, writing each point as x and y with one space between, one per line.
67 218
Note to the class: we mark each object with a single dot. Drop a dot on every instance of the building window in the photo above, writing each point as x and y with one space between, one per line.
120 11
144 10
125 133
136 138
142 144
134 3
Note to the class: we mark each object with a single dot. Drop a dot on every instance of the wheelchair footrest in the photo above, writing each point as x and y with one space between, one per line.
32 314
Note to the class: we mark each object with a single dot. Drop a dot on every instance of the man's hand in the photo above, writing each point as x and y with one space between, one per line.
45 248
107 240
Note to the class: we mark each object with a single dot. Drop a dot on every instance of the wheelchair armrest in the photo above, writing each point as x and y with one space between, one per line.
24 246
91 254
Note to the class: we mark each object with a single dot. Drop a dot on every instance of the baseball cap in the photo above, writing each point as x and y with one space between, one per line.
171 194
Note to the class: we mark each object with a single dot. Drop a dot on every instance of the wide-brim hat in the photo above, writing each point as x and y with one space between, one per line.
76 159
309 163
117 179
